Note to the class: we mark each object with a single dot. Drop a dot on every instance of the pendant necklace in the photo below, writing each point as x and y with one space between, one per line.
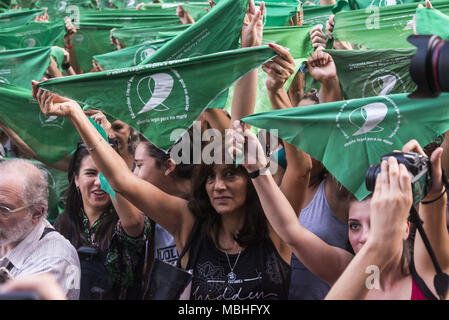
231 275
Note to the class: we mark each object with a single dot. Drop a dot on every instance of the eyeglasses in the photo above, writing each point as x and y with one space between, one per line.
5 212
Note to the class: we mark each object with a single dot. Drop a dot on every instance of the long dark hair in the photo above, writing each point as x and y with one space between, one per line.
255 228
70 222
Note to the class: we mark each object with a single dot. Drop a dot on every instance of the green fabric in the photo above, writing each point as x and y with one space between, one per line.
432 21
297 39
158 98
278 14
51 138
218 31
58 55
197 10
314 15
17 18
367 73
13 64
379 28
130 56
349 136
58 9
129 17
131 36
91 40
31 35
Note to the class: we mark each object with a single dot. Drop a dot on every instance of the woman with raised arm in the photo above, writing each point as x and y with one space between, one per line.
115 229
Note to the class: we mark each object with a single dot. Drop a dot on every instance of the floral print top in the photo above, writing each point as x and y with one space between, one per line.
122 260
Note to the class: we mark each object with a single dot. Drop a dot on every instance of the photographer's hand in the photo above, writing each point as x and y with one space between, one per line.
45 285
433 216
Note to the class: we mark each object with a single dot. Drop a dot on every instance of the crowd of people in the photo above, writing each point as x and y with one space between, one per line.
271 225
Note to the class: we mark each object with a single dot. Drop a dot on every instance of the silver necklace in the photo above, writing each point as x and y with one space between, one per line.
231 275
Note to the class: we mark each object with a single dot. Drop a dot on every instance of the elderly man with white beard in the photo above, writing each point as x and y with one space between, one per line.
28 242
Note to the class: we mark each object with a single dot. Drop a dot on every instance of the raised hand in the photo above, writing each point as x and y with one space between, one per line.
52 104
435 163
184 16
280 68
298 18
100 118
317 36
321 66
70 32
391 201
252 29
243 143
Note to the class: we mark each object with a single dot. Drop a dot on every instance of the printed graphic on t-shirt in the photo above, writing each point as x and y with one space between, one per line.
167 254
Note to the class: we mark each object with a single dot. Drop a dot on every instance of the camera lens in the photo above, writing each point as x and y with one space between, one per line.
371 175
443 66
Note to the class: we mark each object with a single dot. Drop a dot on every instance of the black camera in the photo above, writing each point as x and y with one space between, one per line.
429 67
418 167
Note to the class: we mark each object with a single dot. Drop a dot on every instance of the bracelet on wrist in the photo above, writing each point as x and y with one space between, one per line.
257 173
68 47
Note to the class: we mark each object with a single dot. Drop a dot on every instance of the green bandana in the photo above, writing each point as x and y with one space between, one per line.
158 98
432 21
132 36
368 73
278 14
217 31
349 136
379 28
52 138
130 56
31 35
13 63
18 18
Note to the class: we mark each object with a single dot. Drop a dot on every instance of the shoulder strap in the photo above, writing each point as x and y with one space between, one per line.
420 282
47 230
189 241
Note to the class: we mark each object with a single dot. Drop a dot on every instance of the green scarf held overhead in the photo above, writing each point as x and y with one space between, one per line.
368 73
130 56
158 98
58 9
90 40
314 15
297 40
349 136
18 18
13 64
131 36
363 4
278 14
34 34
197 10
51 138
129 18
379 28
432 21
217 31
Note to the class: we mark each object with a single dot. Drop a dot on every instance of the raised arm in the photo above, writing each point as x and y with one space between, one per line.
69 46
245 91
169 211
433 216
392 199
296 177
322 68
308 247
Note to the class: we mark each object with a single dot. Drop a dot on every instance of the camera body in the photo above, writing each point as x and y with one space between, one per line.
418 168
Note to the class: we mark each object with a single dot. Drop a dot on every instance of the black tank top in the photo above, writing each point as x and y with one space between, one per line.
260 273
